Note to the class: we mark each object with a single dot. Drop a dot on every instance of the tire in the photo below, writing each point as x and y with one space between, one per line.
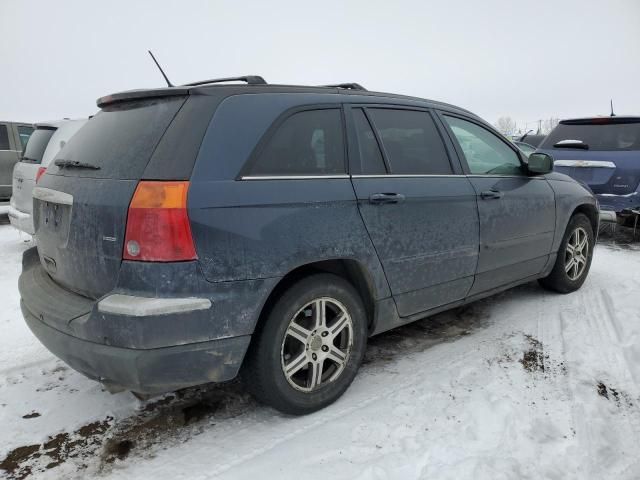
567 277
276 347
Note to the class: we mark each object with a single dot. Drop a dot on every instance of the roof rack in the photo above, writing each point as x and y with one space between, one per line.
348 86
249 79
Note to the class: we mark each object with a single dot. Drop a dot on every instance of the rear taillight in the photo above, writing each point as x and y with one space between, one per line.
158 228
40 172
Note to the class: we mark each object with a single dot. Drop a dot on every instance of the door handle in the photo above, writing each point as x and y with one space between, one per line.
490 194
380 198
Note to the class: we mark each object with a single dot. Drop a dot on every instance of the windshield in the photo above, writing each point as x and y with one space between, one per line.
622 136
37 144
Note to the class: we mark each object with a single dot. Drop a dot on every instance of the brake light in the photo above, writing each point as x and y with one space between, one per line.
40 172
158 228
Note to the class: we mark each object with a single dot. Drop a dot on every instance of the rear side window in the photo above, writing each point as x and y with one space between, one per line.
371 162
411 141
24 133
4 138
37 144
306 143
119 140
609 137
484 152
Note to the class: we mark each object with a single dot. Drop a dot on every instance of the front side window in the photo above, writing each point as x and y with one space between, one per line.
4 138
306 143
485 153
411 141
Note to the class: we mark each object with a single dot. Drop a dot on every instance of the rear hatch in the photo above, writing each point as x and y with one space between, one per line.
603 153
24 172
80 206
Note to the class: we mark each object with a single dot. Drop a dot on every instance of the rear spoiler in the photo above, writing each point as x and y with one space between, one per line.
616 120
140 94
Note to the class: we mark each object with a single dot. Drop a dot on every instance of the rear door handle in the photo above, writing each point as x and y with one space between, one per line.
380 198
490 194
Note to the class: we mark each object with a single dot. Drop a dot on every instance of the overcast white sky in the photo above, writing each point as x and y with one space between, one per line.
527 59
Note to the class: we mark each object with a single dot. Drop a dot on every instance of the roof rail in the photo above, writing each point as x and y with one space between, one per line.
348 86
249 79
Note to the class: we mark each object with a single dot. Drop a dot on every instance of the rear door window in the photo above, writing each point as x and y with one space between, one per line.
4 138
371 162
485 152
306 143
411 141
37 144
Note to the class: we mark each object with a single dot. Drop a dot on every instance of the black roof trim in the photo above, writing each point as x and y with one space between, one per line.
249 79
140 94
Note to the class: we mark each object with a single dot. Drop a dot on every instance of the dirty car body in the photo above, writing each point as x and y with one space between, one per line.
411 242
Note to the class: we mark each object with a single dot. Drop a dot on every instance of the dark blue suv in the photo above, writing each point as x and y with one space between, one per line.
604 153
189 234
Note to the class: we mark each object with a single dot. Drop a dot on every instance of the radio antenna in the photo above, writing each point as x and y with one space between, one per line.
160 68
612 114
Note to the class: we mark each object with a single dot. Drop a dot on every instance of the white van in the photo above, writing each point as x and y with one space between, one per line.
44 144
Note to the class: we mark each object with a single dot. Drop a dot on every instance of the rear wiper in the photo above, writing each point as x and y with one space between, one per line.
75 164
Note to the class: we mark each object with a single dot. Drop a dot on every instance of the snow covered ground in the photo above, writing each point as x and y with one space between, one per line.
528 384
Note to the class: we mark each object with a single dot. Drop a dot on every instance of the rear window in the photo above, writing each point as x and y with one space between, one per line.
119 140
24 133
620 136
37 144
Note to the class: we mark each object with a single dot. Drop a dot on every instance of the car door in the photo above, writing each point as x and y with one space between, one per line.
418 208
517 210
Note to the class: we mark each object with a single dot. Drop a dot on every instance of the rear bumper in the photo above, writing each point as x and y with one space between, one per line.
145 342
151 371
618 203
21 220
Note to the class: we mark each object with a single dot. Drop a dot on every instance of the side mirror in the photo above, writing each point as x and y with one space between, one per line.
540 163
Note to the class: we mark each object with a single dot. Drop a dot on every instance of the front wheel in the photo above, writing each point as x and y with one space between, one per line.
309 349
574 257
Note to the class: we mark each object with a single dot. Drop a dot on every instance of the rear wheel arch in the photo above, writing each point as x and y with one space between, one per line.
351 270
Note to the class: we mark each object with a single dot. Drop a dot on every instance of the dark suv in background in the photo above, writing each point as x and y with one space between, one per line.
604 153
186 232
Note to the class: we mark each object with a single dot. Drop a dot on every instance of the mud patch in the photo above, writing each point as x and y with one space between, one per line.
31 415
620 398
82 443
174 419
533 359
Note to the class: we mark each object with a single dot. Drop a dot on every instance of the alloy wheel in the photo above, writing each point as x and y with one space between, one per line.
317 344
576 253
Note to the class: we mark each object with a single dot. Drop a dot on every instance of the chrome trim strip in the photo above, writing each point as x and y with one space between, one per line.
292 177
584 163
408 175
53 196
118 304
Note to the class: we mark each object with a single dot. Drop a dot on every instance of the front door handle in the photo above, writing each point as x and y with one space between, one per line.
490 194
380 198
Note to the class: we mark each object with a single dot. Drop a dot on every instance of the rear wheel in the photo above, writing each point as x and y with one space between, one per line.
574 257
310 346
